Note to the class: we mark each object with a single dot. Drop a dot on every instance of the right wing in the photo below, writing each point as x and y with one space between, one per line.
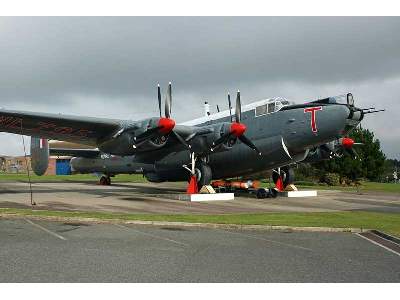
84 130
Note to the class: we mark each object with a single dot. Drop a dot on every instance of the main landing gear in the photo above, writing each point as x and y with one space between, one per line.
105 180
282 177
200 175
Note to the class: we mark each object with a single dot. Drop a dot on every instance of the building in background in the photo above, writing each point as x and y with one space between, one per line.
17 164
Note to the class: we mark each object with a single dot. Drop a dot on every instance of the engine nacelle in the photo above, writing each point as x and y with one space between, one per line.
39 155
124 145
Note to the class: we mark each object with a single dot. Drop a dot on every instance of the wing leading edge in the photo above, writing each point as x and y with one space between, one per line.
84 130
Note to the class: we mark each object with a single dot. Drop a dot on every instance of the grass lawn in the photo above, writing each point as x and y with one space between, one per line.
387 222
365 186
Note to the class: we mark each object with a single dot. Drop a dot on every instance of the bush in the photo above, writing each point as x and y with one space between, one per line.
331 179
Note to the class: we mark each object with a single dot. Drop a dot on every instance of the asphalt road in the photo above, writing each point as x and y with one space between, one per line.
153 198
39 251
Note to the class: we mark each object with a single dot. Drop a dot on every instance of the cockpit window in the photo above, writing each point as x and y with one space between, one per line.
271 107
274 105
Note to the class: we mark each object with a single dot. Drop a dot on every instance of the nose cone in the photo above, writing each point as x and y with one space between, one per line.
237 129
166 125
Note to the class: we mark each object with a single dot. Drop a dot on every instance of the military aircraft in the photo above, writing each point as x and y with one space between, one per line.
270 134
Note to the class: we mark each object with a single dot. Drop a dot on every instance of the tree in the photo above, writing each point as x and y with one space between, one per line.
370 163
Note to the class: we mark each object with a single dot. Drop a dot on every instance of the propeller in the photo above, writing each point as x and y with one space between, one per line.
347 147
238 108
165 124
230 106
168 101
236 129
159 98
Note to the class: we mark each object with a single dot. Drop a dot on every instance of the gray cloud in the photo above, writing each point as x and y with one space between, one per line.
110 66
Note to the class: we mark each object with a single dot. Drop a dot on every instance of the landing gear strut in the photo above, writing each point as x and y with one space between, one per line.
282 177
105 180
200 175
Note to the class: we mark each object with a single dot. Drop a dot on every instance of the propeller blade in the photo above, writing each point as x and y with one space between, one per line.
230 106
159 98
249 143
217 108
238 108
221 140
168 102
181 140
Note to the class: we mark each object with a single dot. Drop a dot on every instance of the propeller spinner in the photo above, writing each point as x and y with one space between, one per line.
237 129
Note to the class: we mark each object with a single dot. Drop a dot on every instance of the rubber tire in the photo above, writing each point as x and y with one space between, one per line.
105 180
273 193
287 175
205 175
261 194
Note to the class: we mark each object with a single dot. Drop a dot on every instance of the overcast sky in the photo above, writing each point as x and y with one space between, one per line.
110 67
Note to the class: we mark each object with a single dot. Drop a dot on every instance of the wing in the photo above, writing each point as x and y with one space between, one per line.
76 129
87 153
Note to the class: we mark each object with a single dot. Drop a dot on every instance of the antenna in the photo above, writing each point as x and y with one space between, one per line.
217 108
206 109
27 168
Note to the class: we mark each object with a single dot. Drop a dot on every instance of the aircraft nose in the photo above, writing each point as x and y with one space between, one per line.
334 121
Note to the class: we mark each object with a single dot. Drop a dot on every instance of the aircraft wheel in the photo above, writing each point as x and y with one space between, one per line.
261 194
105 180
287 175
204 175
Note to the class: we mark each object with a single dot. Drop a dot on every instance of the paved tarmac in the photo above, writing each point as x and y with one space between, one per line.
151 198
41 251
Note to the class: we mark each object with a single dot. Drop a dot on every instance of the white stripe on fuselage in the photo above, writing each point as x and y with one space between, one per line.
225 113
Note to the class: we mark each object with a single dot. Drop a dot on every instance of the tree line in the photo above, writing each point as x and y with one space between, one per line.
370 163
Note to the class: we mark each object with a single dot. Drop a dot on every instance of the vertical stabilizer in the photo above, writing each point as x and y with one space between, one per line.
39 155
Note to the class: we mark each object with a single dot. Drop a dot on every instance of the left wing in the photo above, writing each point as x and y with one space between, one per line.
84 130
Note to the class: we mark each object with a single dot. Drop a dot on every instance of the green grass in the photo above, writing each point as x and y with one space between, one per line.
365 186
60 178
387 222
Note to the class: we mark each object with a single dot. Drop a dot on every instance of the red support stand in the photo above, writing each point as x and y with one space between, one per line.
279 184
192 187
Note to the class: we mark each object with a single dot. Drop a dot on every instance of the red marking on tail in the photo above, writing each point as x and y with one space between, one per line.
42 143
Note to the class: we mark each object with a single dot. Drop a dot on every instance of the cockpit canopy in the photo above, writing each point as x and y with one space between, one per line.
271 106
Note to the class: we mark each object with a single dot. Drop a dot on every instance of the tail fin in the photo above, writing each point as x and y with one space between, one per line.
39 155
